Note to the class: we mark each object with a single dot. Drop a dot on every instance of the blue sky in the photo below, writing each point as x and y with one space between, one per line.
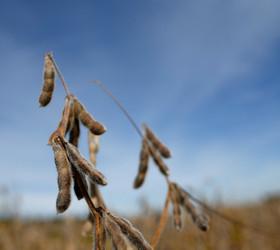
203 74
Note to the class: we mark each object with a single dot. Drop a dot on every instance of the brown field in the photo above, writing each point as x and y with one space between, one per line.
16 234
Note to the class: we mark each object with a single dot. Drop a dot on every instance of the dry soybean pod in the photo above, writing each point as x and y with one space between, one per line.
163 149
82 165
158 161
175 199
64 176
65 120
134 236
143 165
119 240
74 139
49 84
199 219
87 120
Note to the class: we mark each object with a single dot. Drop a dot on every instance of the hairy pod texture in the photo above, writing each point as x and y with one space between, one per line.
64 177
158 145
48 86
143 165
83 166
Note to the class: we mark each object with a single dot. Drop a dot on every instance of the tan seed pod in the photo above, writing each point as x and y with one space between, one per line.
175 199
134 236
87 120
164 151
82 165
158 161
143 165
74 139
64 177
199 219
64 122
119 240
94 126
77 107
71 120
48 86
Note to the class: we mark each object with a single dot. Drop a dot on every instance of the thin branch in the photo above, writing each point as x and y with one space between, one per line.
64 84
162 222
128 116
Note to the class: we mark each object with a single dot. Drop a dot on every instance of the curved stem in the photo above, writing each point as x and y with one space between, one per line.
123 109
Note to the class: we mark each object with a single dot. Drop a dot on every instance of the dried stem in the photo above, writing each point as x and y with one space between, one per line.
162 222
99 232
128 116
65 86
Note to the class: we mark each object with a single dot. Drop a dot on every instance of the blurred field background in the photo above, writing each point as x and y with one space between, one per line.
66 233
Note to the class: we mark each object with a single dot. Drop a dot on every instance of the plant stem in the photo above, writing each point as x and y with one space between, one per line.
162 221
64 84
128 116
